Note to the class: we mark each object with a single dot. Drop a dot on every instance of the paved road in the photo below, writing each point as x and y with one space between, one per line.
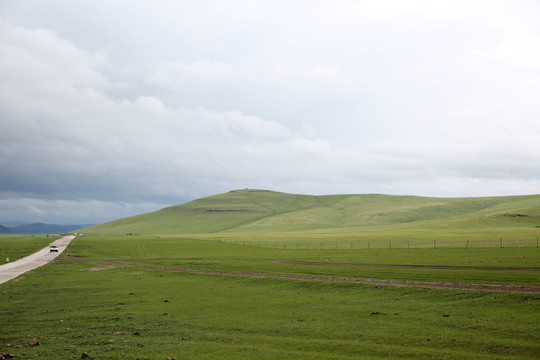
13 269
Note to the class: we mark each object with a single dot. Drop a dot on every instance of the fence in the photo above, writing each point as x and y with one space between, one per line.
531 241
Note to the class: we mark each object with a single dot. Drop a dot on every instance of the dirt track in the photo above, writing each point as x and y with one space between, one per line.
529 288
13 269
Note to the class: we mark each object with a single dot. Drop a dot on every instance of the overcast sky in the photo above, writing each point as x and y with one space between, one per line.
114 108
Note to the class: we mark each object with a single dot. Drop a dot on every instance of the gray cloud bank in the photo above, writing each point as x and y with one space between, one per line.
109 109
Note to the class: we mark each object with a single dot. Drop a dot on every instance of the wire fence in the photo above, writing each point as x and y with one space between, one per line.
531 241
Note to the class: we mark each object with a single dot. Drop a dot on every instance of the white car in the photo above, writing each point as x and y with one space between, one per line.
54 248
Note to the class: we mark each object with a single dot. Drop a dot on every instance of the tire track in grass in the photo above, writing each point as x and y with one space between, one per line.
527 288
326 263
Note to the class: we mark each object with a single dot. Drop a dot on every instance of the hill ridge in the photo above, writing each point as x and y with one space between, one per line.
254 210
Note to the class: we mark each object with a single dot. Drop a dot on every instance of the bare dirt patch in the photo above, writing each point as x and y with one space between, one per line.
101 268
447 267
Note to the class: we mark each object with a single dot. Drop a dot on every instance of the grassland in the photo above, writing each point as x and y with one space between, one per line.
513 265
141 297
271 218
264 275
14 246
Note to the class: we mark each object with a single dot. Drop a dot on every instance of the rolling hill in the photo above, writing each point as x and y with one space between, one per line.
261 211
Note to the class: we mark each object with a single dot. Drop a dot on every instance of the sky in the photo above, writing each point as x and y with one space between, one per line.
114 108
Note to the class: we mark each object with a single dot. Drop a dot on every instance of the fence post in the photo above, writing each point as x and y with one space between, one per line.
467 246
434 244
501 242
408 246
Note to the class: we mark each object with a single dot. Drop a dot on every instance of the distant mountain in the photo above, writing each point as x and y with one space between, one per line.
40 228
11 224
4 229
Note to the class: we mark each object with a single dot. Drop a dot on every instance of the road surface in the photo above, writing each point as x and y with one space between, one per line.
13 269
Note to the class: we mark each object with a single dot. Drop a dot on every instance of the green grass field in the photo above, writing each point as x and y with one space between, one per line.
265 275
141 297
14 246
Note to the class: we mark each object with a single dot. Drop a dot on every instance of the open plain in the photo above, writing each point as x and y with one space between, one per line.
281 283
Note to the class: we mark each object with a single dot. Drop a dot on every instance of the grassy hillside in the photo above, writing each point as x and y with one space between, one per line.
210 214
372 210
271 214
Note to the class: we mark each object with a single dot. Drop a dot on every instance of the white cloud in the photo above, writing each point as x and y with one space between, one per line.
319 147
520 50
40 56
422 97
316 78
171 74
149 104
518 30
